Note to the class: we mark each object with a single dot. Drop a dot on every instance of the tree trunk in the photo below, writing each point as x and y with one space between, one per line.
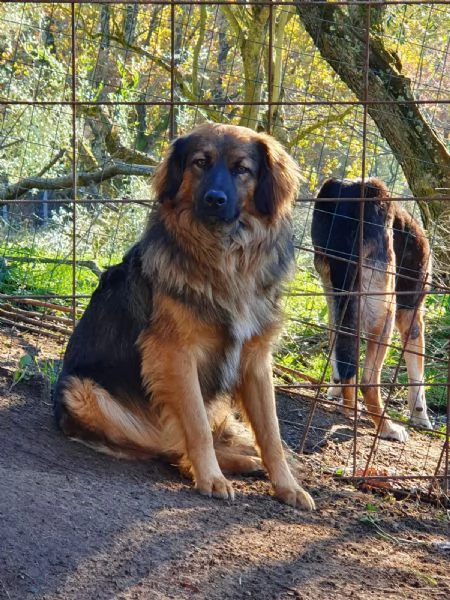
218 93
252 51
130 22
422 156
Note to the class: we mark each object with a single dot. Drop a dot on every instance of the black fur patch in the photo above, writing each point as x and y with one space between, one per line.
103 345
264 193
177 159
411 263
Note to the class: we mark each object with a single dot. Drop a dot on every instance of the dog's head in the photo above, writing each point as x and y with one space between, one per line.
221 171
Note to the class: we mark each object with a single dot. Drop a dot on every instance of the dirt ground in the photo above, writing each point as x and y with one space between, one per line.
78 525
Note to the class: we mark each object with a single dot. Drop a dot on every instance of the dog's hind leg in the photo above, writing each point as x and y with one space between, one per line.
410 325
377 345
233 442
232 462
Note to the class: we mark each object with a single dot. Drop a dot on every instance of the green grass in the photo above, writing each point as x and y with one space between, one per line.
38 278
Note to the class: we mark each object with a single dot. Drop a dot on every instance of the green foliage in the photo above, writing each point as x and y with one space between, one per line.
104 232
29 366
23 369
130 61
304 344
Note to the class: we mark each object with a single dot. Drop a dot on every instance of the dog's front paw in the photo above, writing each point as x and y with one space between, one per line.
296 496
393 431
216 486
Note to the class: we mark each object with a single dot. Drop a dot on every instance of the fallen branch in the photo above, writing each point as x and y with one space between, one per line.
296 374
284 376
15 190
40 323
34 302
32 329
31 313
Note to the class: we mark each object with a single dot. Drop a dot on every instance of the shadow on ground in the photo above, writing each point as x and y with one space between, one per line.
77 525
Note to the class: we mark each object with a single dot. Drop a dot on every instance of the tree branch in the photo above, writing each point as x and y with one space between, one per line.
9 144
88 264
197 49
186 90
232 19
318 124
52 162
16 190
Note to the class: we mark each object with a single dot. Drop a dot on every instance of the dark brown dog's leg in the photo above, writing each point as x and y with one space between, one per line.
257 396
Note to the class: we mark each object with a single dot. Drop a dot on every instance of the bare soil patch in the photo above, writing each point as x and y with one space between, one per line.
78 525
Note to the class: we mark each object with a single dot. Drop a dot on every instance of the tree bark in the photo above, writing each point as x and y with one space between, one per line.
218 93
130 22
252 52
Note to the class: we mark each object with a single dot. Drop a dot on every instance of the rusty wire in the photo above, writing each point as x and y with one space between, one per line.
173 103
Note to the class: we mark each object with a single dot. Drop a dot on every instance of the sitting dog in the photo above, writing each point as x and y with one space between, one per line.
181 331
396 266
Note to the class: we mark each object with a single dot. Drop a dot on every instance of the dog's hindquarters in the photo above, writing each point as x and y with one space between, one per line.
89 414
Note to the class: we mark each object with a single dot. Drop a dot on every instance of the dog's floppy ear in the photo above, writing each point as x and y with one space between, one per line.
169 174
278 178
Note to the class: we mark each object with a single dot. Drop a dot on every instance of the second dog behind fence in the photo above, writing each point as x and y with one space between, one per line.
394 278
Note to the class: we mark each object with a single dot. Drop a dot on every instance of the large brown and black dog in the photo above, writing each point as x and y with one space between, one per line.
181 331
396 268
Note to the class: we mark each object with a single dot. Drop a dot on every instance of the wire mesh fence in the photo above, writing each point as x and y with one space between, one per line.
91 93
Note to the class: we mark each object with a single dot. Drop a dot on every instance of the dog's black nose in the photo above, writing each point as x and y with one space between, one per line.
215 198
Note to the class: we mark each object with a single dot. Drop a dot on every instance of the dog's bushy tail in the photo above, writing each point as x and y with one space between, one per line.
89 414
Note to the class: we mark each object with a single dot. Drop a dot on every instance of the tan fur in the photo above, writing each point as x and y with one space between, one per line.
411 326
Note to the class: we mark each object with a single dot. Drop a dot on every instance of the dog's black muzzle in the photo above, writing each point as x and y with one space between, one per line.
217 200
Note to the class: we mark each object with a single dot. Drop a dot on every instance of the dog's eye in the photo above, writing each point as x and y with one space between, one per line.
240 170
202 163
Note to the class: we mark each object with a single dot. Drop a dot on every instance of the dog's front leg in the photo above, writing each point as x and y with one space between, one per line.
256 393
170 374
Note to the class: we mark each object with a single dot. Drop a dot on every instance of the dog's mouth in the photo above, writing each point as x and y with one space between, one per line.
217 221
